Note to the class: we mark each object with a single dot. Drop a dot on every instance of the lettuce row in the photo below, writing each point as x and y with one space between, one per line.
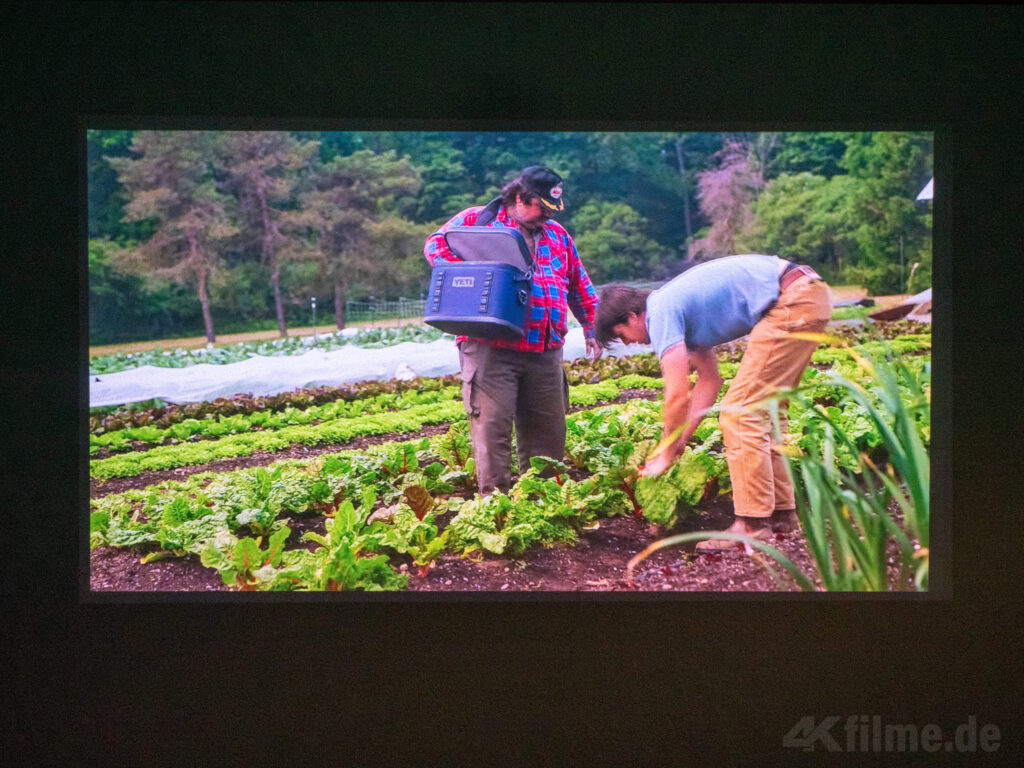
901 345
338 431
219 426
343 430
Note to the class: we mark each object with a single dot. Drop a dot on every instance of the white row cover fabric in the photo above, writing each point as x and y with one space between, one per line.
271 375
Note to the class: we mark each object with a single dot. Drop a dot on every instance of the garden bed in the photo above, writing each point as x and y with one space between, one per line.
596 563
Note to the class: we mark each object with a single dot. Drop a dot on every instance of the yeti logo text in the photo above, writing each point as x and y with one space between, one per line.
462 282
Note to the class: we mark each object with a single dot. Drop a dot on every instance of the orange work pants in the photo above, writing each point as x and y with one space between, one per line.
773 359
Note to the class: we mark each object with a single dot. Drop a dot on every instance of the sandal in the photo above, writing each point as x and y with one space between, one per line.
785 521
724 545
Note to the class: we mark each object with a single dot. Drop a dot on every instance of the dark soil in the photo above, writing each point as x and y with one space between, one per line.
596 563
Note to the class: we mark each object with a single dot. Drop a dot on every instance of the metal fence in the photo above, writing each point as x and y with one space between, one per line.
373 311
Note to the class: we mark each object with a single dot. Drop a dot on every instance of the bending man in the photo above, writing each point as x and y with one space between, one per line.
710 304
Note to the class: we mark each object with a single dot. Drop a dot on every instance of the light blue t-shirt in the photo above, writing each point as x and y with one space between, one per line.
714 302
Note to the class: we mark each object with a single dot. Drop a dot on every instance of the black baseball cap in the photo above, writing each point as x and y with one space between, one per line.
545 184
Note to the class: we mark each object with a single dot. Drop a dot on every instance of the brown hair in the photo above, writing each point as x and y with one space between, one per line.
513 188
617 301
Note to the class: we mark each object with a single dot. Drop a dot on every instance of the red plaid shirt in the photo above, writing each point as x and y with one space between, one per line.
560 282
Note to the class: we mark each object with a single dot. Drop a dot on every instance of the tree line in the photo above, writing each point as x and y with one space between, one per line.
238 229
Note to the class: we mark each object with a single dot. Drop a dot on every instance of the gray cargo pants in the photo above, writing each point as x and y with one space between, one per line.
505 387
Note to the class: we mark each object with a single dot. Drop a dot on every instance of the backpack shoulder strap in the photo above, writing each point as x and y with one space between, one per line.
489 212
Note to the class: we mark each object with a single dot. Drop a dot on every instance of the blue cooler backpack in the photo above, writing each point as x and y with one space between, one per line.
487 294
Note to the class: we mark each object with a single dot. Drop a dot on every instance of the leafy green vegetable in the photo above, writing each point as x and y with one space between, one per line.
190 536
535 512
339 431
683 485
242 564
339 564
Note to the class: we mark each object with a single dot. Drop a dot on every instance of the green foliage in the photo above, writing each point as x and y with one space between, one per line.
243 564
509 524
357 206
189 536
588 394
124 305
586 371
854 223
99 523
339 563
612 442
456 452
347 213
271 410
112 524
838 413
446 184
169 181
806 152
906 344
408 532
845 497
337 431
851 313
809 219
683 485
106 198
537 510
221 425
614 244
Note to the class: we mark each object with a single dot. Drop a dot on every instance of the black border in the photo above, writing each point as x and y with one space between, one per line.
494 684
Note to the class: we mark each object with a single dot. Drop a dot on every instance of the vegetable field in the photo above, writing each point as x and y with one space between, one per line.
371 487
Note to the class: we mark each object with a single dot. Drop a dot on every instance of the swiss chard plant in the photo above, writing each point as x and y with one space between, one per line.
612 443
343 560
536 511
244 565
456 454
686 483
411 528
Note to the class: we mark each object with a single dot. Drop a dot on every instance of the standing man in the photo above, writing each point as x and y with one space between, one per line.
710 304
522 382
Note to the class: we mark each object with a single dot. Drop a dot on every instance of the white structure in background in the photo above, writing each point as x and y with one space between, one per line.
918 307
922 310
926 193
